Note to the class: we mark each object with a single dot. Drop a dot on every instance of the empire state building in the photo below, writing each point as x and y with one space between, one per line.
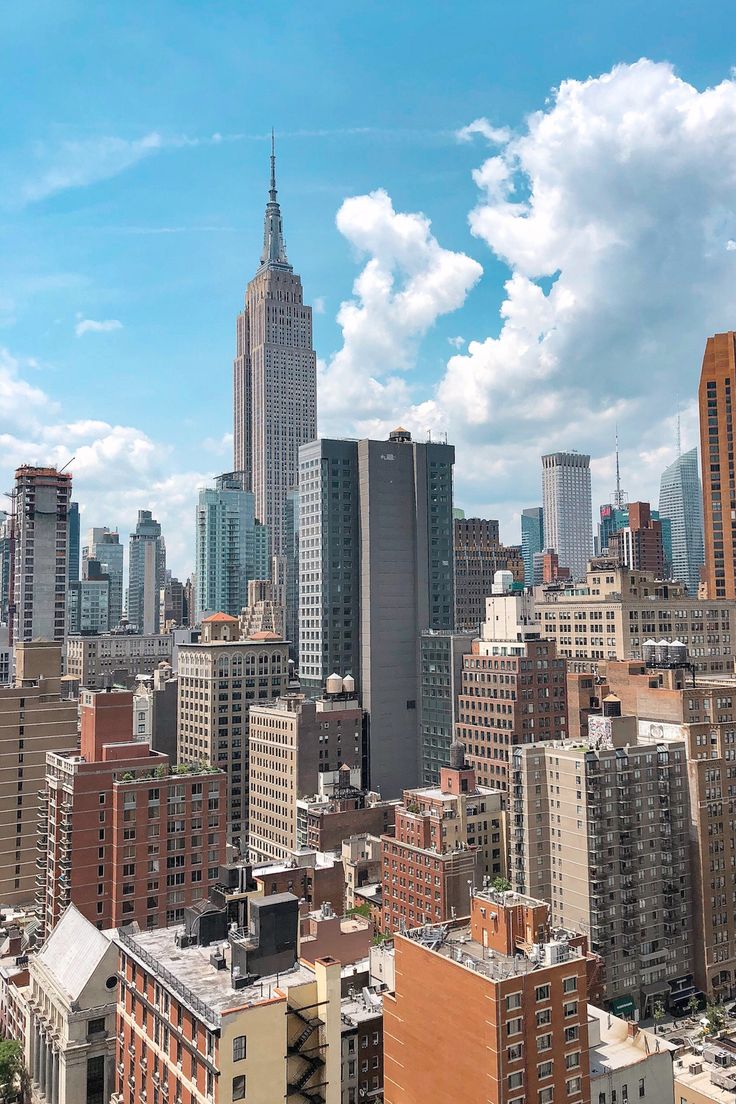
274 377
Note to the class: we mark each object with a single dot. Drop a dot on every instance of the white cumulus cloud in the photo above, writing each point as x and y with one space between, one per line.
91 325
610 209
407 282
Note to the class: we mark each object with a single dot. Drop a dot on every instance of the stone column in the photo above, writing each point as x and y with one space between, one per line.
55 1077
49 1067
42 1062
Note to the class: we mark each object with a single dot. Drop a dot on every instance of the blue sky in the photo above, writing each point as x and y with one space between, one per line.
133 175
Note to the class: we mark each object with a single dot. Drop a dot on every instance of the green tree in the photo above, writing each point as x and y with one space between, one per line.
501 885
658 1015
11 1069
693 1005
715 1019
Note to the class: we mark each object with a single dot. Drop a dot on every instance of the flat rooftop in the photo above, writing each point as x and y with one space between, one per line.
701 1082
457 945
199 982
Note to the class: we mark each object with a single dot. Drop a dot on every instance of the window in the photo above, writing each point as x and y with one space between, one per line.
513 1000
239 1087
516 1080
570 1009
541 993
569 985
95 1079
573 1085
642 1094
513 1027
544 1069
546 1096
238 1048
96 1027
544 1018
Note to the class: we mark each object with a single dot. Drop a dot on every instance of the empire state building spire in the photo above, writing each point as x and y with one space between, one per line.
274 247
274 379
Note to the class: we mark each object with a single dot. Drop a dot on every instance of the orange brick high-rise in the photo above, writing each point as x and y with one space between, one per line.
715 403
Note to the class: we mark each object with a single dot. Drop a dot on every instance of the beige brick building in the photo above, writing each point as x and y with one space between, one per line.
33 721
115 658
602 834
671 710
291 742
219 679
616 609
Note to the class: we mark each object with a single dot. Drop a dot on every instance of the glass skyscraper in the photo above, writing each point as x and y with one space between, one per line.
231 547
532 539
681 500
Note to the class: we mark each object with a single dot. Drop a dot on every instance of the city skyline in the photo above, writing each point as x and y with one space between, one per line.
349 200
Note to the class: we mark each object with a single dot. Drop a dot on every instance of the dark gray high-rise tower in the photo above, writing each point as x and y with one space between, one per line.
274 377
375 569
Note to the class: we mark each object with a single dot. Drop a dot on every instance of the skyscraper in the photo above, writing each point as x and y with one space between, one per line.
715 397
73 525
146 573
532 539
231 546
104 545
274 377
7 543
478 555
681 502
568 519
375 569
42 497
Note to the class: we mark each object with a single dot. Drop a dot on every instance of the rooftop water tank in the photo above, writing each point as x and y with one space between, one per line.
334 684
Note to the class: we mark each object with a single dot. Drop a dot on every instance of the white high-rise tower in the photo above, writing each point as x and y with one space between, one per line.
274 377
568 518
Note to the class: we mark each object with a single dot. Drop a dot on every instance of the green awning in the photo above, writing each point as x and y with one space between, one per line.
623 1006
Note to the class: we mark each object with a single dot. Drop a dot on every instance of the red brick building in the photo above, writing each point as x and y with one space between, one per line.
490 1010
513 690
639 545
448 838
122 835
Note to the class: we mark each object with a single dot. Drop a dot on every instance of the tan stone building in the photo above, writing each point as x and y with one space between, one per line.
616 609
219 679
33 721
292 742
115 659
601 832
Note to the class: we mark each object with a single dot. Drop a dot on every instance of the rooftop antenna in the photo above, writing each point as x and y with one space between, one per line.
619 496
679 439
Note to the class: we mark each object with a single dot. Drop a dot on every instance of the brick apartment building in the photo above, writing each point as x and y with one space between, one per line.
448 839
478 555
121 835
494 1009
601 832
219 678
247 1023
292 742
513 689
33 721
671 710
639 545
